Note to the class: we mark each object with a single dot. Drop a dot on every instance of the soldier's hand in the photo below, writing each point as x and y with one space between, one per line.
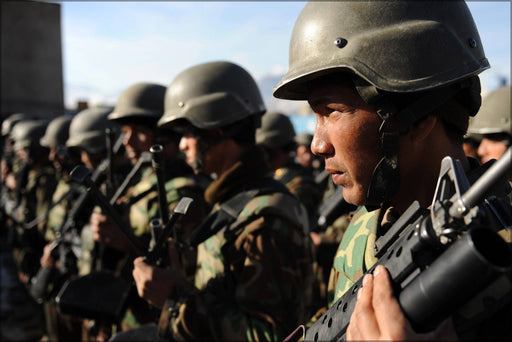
154 284
106 231
378 316
47 260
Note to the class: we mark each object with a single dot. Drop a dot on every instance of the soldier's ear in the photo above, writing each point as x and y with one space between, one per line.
420 130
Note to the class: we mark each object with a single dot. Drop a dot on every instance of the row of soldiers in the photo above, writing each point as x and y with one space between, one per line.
244 248
243 259
49 231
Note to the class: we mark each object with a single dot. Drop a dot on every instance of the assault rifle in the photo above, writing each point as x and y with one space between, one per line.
101 295
437 259
331 209
67 244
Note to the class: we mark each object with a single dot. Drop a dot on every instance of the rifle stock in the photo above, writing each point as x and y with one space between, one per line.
438 259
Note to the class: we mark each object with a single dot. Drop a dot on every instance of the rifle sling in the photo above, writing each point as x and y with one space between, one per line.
230 209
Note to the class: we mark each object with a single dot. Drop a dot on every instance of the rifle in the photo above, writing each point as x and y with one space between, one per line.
331 209
67 239
437 259
106 295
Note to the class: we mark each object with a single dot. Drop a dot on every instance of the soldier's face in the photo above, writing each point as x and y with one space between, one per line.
491 148
305 156
137 139
346 136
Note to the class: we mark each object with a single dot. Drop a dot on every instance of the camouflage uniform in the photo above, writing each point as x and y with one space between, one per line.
301 183
36 199
142 200
253 278
355 256
63 199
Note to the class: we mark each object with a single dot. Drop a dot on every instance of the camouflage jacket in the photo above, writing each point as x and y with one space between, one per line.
301 183
37 195
254 275
64 198
355 255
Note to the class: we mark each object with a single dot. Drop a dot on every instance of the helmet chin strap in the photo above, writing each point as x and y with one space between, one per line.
386 175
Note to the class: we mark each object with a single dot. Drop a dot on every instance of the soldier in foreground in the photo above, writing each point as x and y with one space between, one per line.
384 123
254 266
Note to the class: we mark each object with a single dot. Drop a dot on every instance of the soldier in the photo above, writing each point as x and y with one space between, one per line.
304 156
277 136
493 125
87 138
35 186
21 316
138 110
10 165
58 327
386 117
254 266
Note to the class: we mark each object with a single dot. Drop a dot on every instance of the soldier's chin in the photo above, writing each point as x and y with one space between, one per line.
354 196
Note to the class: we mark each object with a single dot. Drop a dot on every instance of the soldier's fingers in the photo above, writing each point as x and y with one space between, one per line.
392 321
363 324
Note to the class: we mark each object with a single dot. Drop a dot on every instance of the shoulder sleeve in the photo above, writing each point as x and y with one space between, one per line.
349 262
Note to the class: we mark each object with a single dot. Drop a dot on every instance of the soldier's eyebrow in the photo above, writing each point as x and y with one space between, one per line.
319 100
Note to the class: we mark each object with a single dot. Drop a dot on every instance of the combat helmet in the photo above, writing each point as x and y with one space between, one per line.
276 131
26 134
212 95
396 46
494 115
141 103
304 139
11 120
87 129
57 132
428 50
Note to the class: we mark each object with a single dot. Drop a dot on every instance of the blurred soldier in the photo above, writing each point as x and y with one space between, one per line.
21 318
35 186
87 138
276 135
138 110
10 165
385 120
254 266
58 327
7 149
493 125
304 155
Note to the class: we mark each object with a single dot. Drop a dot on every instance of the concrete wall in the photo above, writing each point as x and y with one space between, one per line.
31 59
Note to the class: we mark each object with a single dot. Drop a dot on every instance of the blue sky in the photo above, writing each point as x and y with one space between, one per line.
107 46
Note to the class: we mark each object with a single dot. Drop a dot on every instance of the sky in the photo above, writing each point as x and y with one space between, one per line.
108 46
